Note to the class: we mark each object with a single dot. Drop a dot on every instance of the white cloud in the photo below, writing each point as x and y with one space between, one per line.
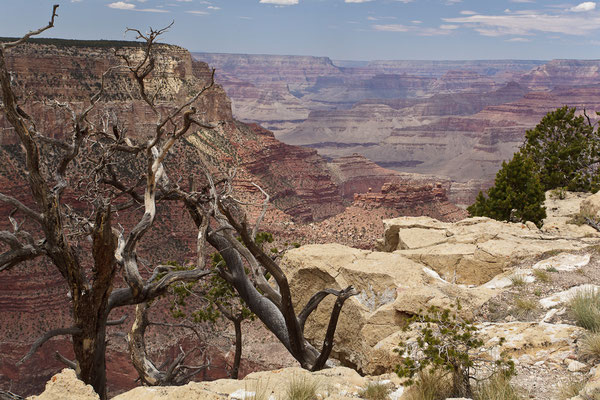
585 6
522 1
519 39
213 8
391 28
357 1
468 12
280 2
195 12
418 30
119 5
528 23
452 2
416 21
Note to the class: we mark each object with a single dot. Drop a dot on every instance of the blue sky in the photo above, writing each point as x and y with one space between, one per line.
340 29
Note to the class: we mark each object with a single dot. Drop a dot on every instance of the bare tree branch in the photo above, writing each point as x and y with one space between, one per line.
32 33
47 336
65 360
21 207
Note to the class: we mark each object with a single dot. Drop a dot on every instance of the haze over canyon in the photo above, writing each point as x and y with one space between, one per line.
453 119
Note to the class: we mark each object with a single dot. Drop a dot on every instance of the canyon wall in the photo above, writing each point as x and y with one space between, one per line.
303 188
455 119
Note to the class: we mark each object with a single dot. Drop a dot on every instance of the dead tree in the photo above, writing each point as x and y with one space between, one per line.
171 373
61 230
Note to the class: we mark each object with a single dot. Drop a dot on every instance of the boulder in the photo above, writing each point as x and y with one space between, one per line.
590 207
66 386
531 342
391 288
474 250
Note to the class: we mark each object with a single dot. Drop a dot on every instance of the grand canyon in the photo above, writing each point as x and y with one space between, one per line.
368 166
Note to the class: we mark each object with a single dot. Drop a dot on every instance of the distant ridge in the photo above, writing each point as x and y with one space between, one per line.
80 43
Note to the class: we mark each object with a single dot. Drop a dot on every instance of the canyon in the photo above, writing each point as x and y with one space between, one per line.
456 119
313 200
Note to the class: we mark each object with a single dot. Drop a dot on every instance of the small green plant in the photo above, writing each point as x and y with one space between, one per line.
559 193
375 391
542 275
551 269
517 280
585 308
524 308
430 385
590 345
537 292
498 387
304 388
570 389
448 343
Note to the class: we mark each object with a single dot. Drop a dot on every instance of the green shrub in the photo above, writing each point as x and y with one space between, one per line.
585 308
562 153
447 343
565 150
517 194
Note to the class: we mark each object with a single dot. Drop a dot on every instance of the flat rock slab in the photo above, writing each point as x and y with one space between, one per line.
564 262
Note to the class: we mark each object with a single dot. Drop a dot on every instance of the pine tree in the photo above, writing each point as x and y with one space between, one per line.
517 193
565 150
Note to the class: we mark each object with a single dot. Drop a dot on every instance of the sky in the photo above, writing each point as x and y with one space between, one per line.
339 29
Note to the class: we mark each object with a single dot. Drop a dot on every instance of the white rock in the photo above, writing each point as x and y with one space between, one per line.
576 366
564 262
396 394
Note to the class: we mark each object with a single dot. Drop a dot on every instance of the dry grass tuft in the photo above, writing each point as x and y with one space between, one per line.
585 308
375 391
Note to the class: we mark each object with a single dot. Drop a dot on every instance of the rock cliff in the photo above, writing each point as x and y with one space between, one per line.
302 187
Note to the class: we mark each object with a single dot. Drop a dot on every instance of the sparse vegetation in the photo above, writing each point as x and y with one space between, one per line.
551 269
302 388
498 387
571 389
518 280
590 345
585 308
430 385
448 344
542 275
524 308
260 391
375 391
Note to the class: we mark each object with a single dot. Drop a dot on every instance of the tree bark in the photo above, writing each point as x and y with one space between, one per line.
237 323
